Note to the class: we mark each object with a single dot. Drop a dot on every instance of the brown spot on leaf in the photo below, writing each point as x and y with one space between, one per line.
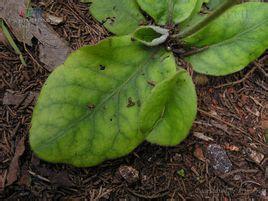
151 82
91 106
130 103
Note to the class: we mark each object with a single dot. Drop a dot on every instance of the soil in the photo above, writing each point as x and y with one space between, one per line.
231 112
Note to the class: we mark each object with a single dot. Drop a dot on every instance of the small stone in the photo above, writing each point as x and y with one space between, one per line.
130 174
255 156
219 159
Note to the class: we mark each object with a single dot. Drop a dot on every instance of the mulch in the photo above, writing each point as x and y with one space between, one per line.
231 113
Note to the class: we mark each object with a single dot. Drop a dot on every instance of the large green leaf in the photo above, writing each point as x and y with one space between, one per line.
234 39
174 120
119 17
164 10
88 110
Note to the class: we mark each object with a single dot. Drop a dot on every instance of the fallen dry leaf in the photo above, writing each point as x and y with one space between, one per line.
14 168
13 12
12 99
24 180
53 49
19 98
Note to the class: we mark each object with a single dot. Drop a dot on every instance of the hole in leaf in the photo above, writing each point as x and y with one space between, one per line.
102 67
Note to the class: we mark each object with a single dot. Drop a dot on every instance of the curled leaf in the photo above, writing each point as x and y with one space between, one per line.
151 35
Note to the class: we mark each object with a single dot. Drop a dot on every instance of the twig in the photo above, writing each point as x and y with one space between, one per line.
155 196
39 177
260 67
238 81
239 171
219 119
229 124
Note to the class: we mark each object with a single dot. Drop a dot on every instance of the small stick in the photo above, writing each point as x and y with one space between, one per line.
238 81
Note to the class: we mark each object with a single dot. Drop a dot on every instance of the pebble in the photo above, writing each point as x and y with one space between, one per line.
130 174
219 159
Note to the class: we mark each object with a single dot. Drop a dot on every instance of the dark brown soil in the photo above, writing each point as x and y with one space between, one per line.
232 115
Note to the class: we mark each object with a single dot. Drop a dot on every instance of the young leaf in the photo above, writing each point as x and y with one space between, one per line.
172 121
88 110
162 11
234 39
119 17
151 35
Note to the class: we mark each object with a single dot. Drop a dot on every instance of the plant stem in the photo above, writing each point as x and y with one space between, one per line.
196 27
170 11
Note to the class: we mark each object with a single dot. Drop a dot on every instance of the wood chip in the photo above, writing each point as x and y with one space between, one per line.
198 153
14 165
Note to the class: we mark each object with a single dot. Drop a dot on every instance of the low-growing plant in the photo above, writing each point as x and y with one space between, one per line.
108 98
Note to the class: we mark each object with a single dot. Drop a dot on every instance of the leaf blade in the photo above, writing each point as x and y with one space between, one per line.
178 111
84 114
243 40
159 10
119 17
